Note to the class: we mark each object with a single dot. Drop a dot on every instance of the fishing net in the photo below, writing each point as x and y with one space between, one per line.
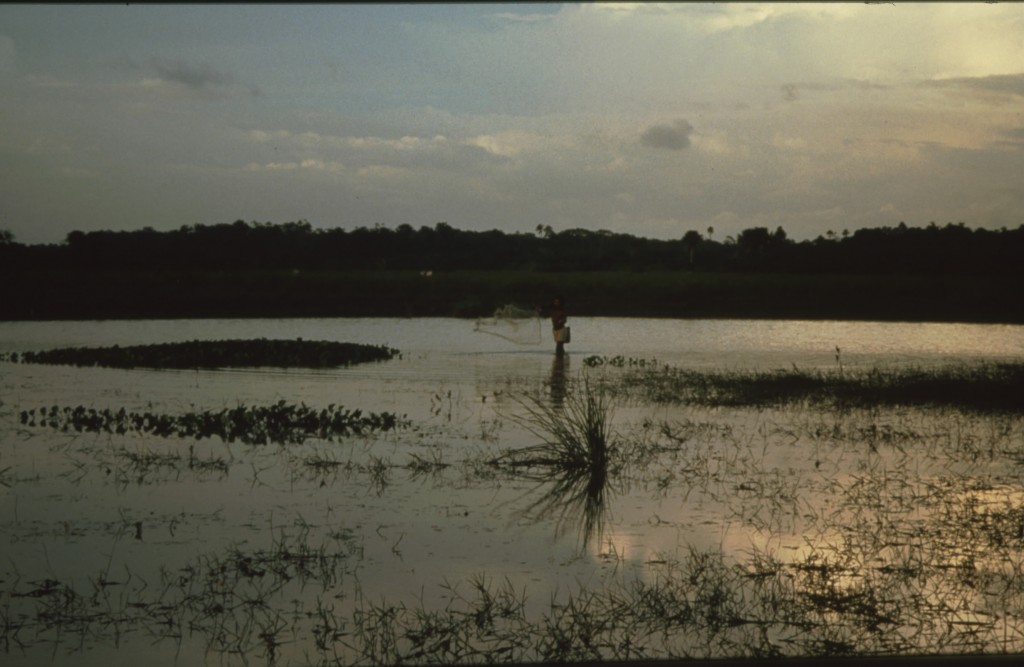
518 325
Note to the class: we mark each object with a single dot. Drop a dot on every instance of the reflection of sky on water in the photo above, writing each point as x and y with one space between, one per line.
763 484
670 341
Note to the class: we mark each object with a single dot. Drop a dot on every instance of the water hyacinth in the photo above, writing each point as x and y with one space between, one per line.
280 423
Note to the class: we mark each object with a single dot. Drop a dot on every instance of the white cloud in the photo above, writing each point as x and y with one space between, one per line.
522 18
309 164
508 144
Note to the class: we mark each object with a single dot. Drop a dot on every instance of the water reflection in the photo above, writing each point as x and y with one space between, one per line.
559 372
798 531
576 498
573 462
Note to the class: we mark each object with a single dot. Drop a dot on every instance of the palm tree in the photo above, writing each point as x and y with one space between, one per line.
691 240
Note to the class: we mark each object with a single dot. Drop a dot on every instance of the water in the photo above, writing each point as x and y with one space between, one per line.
443 354
717 343
79 508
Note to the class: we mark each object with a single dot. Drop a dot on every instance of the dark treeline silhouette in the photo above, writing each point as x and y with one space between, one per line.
950 249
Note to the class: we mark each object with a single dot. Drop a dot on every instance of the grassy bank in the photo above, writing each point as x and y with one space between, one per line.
50 294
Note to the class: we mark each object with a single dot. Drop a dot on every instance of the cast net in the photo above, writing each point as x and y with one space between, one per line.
518 325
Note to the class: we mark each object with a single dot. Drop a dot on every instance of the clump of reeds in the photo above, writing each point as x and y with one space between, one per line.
575 436
573 459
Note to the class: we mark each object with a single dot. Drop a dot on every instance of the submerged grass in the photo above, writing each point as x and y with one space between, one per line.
936 588
896 560
983 387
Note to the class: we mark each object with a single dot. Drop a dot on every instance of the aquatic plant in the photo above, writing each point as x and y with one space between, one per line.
259 352
229 599
898 562
985 386
572 461
575 435
618 361
280 423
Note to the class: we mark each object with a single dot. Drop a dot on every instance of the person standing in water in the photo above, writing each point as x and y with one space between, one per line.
558 328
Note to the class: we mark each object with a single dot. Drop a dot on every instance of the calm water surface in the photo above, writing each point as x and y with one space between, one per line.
719 343
77 505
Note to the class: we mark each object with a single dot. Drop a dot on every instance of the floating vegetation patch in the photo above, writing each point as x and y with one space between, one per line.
260 352
990 386
618 361
280 423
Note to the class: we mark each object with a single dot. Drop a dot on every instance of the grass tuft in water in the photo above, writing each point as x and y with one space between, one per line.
575 435
573 460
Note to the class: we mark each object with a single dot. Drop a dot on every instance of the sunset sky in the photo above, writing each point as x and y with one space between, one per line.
649 119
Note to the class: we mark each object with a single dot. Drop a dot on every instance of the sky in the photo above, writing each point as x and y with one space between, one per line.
649 119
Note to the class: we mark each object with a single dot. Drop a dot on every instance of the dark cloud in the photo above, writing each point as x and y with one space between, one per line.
199 76
1013 138
792 92
674 137
1006 84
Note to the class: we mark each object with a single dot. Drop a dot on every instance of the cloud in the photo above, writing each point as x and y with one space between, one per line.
522 18
307 164
508 144
197 76
1016 133
674 137
999 84
724 17
7 53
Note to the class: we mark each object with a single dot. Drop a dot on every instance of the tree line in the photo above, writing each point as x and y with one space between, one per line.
949 249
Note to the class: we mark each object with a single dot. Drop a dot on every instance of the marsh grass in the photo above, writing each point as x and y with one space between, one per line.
703 605
899 561
574 461
233 600
913 544
831 601
982 387
575 435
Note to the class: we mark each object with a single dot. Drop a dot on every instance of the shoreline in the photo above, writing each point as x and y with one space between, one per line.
41 295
